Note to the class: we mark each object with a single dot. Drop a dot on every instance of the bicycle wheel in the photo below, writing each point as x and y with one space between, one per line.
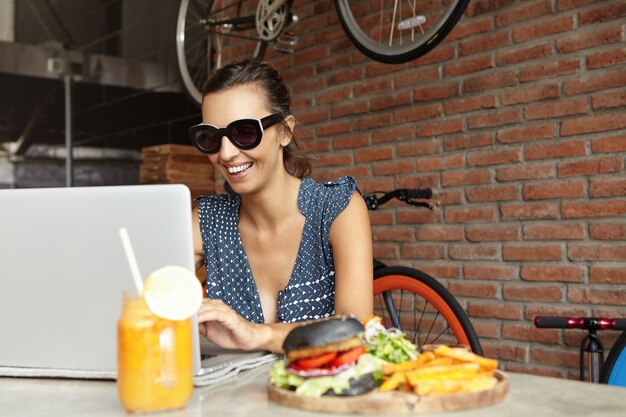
614 369
213 33
420 306
398 31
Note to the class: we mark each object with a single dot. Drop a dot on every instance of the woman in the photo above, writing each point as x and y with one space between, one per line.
282 249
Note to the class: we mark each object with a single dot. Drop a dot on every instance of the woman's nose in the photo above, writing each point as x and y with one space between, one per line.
227 149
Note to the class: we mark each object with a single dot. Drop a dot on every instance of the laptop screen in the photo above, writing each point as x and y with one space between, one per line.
63 269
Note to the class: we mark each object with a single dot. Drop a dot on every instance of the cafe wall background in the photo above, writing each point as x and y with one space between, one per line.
518 123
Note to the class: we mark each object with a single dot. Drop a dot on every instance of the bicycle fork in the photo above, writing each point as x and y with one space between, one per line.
592 345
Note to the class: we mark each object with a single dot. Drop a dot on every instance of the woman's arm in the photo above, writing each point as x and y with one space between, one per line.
224 327
351 239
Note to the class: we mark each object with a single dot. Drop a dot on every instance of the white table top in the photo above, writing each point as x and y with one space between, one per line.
245 395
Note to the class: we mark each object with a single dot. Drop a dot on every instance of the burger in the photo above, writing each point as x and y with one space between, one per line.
327 357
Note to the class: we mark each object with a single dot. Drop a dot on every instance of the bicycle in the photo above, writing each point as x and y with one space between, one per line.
408 297
212 33
613 371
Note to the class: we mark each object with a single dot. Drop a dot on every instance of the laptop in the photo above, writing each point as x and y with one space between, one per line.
63 271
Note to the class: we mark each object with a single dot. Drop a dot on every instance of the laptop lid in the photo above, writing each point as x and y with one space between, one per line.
63 271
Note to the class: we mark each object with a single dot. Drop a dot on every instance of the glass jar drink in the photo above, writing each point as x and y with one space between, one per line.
155 369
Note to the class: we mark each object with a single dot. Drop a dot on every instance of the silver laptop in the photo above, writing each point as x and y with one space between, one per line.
63 272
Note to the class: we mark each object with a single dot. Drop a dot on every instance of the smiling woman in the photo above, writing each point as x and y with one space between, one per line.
282 249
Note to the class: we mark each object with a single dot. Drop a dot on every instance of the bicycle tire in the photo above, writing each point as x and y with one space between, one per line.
357 17
614 369
197 37
445 320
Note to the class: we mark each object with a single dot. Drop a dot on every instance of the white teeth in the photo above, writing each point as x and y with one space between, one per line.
239 168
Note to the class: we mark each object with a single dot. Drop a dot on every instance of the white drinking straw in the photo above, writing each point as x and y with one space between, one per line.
132 262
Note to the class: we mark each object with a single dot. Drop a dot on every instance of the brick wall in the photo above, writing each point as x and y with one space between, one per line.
518 123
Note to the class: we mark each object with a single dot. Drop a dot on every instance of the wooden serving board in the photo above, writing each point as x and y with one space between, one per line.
394 402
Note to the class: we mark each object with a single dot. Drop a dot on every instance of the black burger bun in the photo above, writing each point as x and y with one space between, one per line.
358 386
332 334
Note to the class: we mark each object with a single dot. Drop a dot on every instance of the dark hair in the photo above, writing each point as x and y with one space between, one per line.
277 98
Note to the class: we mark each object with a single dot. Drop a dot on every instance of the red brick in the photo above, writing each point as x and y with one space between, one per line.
415 148
349 108
604 13
333 96
562 189
439 233
393 168
465 28
549 69
542 28
449 197
416 76
468 141
381 217
438 163
508 311
500 157
583 40
556 109
597 252
393 134
583 295
552 273
413 113
469 215
422 251
463 105
473 252
609 187
486 42
393 100
530 94
531 252
606 58
333 128
571 4
371 121
555 150
351 141
562 310
333 62
525 172
495 118
552 356
333 159
600 274
475 176
573 209
440 127
443 52
372 86
608 231
468 66
528 333
492 272
527 133
309 84
608 100
357 172
386 251
523 54
601 80
312 54
492 233
492 193
439 270
419 181
346 76
436 92
412 216
549 231
312 114
486 330
494 80
373 154
529 211
523 12
316 145
590 166
609 145
392 234
473 289
501 350
374 69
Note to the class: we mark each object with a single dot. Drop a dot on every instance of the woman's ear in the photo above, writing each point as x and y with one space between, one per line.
291 122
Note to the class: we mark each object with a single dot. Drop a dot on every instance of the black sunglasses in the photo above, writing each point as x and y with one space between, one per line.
244 133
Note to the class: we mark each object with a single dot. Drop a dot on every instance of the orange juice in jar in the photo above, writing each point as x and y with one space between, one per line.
155 369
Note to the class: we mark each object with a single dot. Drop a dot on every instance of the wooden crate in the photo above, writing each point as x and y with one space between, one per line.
177 164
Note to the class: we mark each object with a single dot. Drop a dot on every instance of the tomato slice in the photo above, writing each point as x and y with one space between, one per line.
314 361
348 356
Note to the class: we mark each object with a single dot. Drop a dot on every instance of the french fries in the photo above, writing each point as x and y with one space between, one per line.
445 370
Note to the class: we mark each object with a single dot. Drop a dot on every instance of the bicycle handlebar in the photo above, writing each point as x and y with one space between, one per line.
587 323
403 194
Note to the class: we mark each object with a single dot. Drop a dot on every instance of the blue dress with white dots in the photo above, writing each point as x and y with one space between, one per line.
310 292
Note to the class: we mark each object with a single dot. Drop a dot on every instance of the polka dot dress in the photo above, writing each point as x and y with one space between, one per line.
310 292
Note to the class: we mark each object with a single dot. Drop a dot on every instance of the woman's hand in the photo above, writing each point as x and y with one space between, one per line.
224 327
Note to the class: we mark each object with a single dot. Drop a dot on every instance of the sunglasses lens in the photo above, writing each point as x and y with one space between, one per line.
245 133
206 139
